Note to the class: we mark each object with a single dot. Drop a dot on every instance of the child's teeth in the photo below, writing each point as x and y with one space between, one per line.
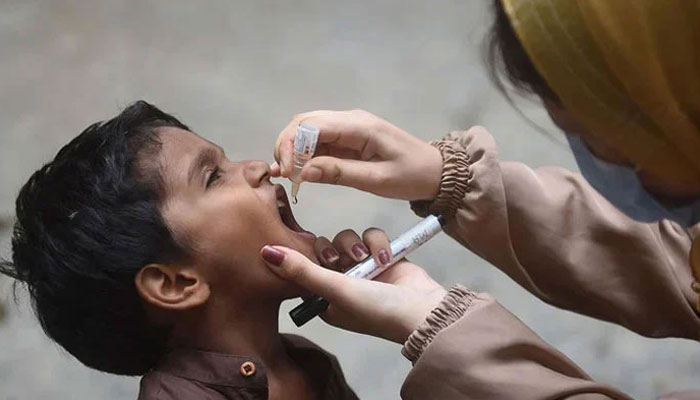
280 203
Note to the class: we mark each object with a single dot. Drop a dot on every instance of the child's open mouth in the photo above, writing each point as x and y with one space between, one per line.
286 213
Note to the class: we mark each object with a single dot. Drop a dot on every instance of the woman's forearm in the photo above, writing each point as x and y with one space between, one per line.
553 234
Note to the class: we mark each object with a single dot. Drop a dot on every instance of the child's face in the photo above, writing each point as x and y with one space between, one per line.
225 212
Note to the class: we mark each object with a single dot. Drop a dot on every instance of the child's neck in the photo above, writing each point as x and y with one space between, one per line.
251 330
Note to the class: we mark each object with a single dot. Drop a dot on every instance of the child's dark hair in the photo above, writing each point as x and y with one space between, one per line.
507 59
87 222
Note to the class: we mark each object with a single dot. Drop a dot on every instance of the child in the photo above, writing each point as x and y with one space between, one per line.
140 246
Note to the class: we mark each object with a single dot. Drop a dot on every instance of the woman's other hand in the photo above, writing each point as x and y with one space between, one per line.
360 150
391 306
348 248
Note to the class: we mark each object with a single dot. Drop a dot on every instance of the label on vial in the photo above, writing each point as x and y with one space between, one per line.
306 139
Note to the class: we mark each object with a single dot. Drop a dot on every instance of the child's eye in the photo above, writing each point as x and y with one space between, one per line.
214 176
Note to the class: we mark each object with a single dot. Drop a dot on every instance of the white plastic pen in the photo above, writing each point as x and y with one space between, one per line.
369 269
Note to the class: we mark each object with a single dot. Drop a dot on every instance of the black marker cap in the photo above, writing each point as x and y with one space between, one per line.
307 310
441 219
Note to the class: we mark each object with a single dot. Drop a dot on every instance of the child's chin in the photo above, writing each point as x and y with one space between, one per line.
306 243
283 289
292 291
304 247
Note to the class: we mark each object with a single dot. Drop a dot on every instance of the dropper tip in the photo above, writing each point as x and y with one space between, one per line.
295 191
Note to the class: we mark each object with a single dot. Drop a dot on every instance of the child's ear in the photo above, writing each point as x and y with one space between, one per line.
172 287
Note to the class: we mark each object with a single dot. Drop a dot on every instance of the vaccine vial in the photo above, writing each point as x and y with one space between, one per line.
304 147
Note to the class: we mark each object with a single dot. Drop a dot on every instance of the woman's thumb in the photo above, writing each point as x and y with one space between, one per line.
293 266
337 171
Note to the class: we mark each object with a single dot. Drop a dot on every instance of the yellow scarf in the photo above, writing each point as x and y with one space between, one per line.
627 70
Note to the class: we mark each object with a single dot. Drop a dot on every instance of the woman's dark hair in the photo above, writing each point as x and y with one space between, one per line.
87 222
507 59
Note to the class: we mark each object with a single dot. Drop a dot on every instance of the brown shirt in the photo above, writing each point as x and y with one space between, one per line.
195 374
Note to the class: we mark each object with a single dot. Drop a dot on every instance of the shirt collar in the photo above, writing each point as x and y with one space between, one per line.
213 368
220 369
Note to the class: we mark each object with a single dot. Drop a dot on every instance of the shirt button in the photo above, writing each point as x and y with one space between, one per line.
247 368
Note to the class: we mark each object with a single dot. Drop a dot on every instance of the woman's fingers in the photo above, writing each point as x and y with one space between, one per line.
326 253
275 170
341 129
378 244
351 244
374 242
324 149
361 150
284 147
350 129
367 176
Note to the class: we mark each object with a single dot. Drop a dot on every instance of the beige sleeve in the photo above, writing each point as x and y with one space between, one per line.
557 237
471 347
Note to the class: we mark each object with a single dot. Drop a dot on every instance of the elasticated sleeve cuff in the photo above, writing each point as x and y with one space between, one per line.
454 182
452 307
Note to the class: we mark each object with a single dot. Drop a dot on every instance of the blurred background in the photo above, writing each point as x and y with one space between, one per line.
236 72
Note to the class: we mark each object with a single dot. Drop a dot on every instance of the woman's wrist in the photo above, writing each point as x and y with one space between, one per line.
417 312
454 181
433 165
452 306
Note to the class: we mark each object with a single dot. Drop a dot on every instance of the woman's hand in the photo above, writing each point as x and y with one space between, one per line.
391 306
358 149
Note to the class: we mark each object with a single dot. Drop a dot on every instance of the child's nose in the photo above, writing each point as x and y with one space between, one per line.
256 172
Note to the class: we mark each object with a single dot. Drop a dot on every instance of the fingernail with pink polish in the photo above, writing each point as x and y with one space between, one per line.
384 257
273 255
360 251
330 255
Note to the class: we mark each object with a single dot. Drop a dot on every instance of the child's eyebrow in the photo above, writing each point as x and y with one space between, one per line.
207 156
